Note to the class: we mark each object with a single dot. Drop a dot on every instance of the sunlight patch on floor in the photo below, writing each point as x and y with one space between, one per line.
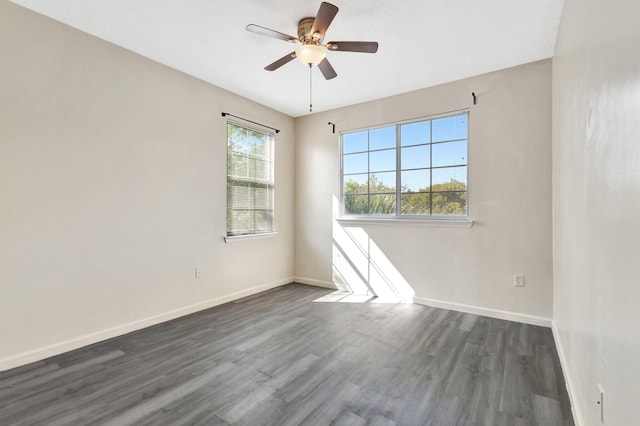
339 296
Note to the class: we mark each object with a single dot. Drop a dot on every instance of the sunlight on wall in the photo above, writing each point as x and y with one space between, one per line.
361 271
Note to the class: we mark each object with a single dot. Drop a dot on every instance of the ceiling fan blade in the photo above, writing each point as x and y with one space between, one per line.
326 69
280 62
325 15
353 46
271 33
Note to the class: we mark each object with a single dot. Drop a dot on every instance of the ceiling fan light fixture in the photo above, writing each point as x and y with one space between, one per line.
311 54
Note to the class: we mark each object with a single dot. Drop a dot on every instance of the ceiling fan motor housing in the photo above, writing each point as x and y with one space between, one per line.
304 31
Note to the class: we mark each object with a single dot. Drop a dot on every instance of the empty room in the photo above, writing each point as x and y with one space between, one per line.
321 213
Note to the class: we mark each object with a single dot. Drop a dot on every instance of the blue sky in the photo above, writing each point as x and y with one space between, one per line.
414 153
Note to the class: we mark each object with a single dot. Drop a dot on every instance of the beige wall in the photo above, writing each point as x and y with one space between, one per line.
112 191
596 199
510 200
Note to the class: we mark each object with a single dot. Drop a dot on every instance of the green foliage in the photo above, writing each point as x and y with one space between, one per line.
449 198
380 201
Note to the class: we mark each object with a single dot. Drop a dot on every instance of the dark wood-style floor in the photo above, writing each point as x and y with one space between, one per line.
283 358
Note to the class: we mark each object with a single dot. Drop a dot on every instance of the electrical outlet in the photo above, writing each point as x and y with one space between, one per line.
601 403
518 280
198 273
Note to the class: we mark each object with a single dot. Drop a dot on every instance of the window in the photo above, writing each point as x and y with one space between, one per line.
250 183
416 169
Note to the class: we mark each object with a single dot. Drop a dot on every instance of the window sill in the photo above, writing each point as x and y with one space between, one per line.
238 238
445 223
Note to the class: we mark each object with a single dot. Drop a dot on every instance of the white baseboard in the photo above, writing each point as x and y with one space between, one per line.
487 312
470 309
317 283
564 364
88 339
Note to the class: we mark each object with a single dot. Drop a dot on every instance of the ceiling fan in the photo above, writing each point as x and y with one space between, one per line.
311 33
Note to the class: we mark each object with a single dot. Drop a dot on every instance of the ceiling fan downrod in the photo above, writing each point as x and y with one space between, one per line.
310 89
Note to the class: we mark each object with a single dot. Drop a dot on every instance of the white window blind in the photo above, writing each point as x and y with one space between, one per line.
250 185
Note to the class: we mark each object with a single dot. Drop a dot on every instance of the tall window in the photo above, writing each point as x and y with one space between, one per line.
250 183
416 169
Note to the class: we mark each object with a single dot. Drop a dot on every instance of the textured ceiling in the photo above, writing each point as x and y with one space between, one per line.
422 42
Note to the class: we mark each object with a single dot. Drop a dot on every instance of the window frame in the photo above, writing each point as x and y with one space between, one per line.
253 234
447 220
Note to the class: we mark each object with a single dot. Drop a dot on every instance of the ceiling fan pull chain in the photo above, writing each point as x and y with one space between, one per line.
310 87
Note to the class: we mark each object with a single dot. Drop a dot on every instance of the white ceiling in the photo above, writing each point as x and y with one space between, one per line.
422 42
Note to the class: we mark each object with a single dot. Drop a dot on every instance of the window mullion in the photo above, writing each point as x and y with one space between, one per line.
342 207
431 168
368 172
252 206
398 173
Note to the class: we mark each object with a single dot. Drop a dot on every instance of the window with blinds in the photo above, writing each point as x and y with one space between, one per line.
250 185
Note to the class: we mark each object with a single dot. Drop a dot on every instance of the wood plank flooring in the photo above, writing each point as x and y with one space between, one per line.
284 358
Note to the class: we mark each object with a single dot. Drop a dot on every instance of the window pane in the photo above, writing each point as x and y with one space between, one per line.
415 157
382 204
263 220
237 164
258 169
262 197
450 179
356 184
251 146
248 166
450 128
355 163
382 138
256 221
380 161
415 203
415 180
356 204
260 149
240 221
449 203
382 182
247 195
355 142
248 141
449 153
238 196
415 133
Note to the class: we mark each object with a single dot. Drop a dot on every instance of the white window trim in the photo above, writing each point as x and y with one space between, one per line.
239 238
446 222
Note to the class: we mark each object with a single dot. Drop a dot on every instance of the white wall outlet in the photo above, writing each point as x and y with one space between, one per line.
518 280
198 273
601 403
